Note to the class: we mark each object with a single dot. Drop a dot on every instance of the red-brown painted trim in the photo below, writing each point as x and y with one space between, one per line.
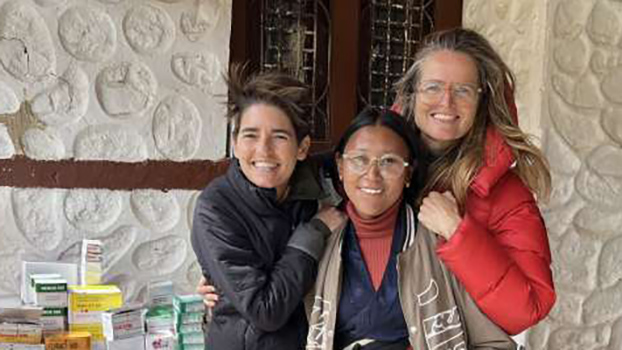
343 76
447 14
165 175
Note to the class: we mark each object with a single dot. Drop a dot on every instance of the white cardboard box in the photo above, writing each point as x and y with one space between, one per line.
134 343
66 270
16 346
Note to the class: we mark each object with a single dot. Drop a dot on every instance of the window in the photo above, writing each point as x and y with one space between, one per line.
349 52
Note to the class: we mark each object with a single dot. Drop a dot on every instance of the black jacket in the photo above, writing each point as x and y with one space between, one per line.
247 248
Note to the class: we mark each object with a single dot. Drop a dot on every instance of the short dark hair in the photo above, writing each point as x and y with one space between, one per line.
399 125
272 88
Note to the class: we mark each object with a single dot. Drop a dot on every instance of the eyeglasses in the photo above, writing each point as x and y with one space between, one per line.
390 165
431 92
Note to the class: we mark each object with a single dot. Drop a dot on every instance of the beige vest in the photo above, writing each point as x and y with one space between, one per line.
439 313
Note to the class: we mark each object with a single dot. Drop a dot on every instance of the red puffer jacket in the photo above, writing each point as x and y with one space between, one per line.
500 251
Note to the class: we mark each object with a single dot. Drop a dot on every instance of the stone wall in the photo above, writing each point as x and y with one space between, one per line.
119 80
568 59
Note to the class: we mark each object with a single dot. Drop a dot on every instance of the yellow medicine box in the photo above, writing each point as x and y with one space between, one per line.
91 298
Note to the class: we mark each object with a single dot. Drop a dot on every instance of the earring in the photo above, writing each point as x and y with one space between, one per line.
407 184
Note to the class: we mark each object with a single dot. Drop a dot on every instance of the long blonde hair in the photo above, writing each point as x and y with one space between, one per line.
457 167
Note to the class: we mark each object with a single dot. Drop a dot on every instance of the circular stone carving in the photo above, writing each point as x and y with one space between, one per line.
87 33
196 22
92 210
117 244
561 157
35 212
161 256
604 24
9 103
577 256
598 221
7 149
606 160
603 60
612 123
579 90
64 102
26 47
157 210
10 260
176 128
610 261
612 84
572 56
149 30
570 18
196 69
42 144
562 190
126 89
110 142
601 181
49 3
580 128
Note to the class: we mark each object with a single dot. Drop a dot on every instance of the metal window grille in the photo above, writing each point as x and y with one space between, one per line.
294 39
396 28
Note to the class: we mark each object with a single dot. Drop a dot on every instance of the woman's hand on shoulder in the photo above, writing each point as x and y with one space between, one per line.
439 213
332 217
210 298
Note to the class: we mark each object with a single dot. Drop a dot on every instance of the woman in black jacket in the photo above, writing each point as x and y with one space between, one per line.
257 232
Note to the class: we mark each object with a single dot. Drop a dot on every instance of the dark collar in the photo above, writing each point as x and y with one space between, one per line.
304 185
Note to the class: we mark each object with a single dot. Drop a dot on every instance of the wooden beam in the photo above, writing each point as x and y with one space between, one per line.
165 175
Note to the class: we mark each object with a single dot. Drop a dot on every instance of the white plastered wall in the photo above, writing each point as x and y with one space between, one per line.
120 80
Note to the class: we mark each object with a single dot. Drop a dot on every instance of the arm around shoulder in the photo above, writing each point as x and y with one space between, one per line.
265 297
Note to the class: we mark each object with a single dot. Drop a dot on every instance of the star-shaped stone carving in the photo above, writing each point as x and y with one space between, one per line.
17 123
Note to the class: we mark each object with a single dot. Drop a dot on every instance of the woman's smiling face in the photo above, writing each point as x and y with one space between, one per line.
373 192
451 115
267 148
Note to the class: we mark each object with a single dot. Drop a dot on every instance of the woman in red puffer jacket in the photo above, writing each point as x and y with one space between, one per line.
484 172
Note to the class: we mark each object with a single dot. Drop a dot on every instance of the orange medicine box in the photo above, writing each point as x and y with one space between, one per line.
68 341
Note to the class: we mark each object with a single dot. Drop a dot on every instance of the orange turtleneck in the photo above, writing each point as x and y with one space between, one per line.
375 236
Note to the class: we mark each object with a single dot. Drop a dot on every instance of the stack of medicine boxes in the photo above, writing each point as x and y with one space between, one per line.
191 312
161 318
20 329
87 304
124 328
50 292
